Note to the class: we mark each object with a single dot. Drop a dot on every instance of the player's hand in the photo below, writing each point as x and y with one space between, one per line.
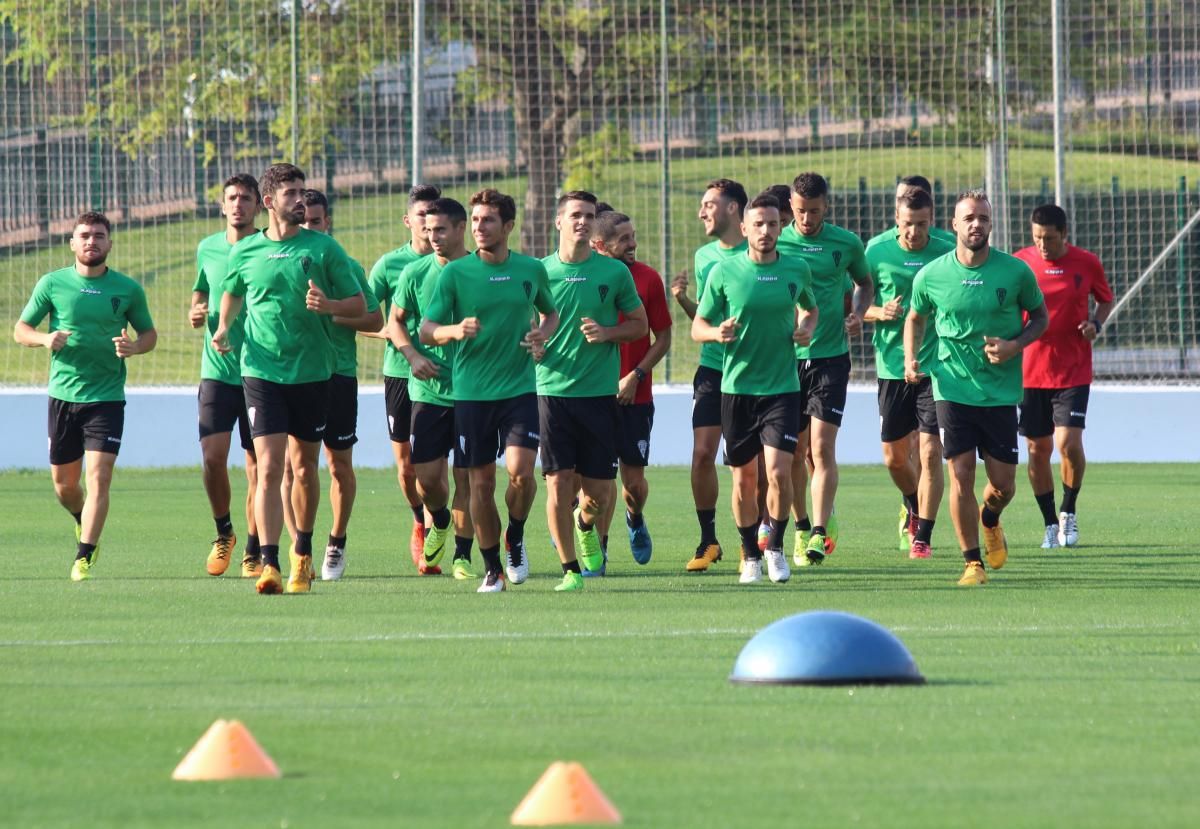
468 329
124 345
1088 331
57 340
593 331
802 336
537 351
315 300
728 330
998 350
423 368
627 388
220 341
198 314
913 373
893 309
853 324
679 285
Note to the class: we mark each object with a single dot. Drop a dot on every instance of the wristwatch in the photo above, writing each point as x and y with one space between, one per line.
1097 324
641 374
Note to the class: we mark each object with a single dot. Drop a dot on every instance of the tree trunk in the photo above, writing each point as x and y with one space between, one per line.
540 134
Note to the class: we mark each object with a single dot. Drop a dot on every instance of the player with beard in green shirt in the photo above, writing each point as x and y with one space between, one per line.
91 308
977 296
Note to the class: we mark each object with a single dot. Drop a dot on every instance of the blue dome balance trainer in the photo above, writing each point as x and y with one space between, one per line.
825 647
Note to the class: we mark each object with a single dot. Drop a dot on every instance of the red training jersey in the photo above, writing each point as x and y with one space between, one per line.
1062 357
650 290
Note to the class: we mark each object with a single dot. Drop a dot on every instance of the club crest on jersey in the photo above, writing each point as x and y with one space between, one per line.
792 290
116 304
1001 293
603 292
305 263
837 257
1078 280
528 286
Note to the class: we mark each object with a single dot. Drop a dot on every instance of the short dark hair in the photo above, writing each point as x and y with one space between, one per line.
782 194
915 200
974 194
243 180
423 192
919 182
317 198
607 224
603 207
810 186
763 200
732 190
1050 215
494 198
451 209
577 195
92 217
277 174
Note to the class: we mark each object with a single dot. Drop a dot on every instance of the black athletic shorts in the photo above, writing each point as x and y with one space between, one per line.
579 433
341 427
221 405
823 383
905 407
1043 409
78 427
432 433
634 424
297 409
750 422
486 427
706 397
398 406
990 429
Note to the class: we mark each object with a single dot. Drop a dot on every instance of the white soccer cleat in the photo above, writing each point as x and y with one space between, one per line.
1050 542
516 573
334 564
1068 529
751 571
492 583
777 566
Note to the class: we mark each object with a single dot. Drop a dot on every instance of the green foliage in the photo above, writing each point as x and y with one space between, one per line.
589 165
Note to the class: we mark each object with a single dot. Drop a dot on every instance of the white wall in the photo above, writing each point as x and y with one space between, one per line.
1125 423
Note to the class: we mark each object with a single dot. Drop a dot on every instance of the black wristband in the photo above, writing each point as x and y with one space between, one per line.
1097 324
641 374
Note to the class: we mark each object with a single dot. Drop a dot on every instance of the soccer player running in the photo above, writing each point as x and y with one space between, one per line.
341 426
91 308
836 257
432 391
615 236
577 381
906 187
750 305
220 400
383 280
721 209
493 294
907 414
977 296
1058 367
291 282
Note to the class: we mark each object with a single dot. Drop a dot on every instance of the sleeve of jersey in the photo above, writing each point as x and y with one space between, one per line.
339 272
712 301
39 304
1101 290
405 296
365 287
920 301
544 301
627 297
1031 295
139 312
441 304
235 283
858 260
378 280
657 313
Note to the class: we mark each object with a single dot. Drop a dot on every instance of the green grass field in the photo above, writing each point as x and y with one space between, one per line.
1064 693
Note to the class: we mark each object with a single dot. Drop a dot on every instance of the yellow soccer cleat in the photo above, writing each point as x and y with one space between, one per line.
270 582
220 554
995 546
300 578
252 565
706 555
973 575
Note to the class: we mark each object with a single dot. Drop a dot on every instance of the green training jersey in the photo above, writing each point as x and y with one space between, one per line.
934 233
492 365
212 259
892 270
96 309
707 257
968 304
599 288
763 299
414 291
284 341
384 277
835 256
345 342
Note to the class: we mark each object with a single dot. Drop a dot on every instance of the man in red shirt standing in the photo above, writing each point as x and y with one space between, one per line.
1058 367
615 236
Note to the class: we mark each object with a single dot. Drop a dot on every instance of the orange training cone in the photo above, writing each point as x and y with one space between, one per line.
227 751
565 794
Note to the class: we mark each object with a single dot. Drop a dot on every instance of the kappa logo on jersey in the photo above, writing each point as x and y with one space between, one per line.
644 449
766 278
305 263
915 264
603 292
87 290
528 286
499 278
1001 293
972 283
116 304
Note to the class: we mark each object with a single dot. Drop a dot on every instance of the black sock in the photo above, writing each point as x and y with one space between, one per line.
990 519
778 528
818 530
78 518
634 519
972 555
516 530
572 567
750 541
224 525
270 555
252 547
924 529
441 518
708 525
1045 503
303 543
910 504
85 551
583 525
1069 496
804 524
604 543
340 543
491 558
462 547
418 514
